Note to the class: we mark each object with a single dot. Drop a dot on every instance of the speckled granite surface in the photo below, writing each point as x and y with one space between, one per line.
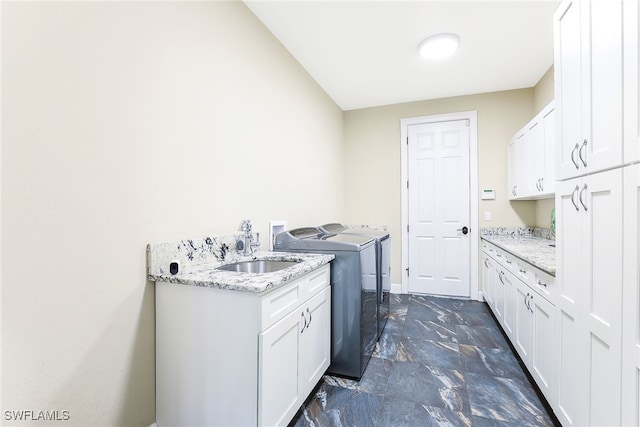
525 244
200 258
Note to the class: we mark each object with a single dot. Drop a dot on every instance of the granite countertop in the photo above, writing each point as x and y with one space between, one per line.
207 274
532 249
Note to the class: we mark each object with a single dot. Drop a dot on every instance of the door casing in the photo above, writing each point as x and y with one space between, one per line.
472 116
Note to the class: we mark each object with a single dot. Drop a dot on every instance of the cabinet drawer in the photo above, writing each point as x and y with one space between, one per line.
317 281
279 303
511 263
544 284
524 272
489 249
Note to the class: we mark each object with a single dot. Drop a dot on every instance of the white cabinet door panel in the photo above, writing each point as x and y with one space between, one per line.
589 238
523 321
315 352
631 25
631 293
280 385
568 86
544 346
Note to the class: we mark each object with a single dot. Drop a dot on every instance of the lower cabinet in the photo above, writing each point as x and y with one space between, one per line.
233 358
526 313
296 353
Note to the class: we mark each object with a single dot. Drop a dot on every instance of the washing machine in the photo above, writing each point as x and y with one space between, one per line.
381 268
354 320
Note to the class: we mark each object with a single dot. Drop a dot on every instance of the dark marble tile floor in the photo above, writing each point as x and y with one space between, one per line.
439 362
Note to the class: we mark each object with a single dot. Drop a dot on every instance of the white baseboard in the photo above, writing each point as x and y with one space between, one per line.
396 288
153 425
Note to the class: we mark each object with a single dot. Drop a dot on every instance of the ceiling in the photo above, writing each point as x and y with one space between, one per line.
364 53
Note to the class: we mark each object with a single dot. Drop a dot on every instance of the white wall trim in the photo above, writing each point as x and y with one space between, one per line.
472 116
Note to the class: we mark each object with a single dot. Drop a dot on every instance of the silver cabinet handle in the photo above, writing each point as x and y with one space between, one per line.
515 190
542 184
500 276
526 302
538 184
530 299
584 188
573 197
485 263
522 271
573 159
541 283
583 159
304 326
310 318
508 262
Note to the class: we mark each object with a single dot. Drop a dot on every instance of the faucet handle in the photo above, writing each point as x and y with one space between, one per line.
245 225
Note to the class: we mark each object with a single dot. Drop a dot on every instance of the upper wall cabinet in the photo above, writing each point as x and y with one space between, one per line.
588 86
531 158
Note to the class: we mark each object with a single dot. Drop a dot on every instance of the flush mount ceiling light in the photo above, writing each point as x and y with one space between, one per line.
439 46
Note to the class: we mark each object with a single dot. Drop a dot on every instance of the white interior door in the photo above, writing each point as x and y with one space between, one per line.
439 208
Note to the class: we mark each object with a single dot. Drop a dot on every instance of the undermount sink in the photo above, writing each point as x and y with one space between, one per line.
259 266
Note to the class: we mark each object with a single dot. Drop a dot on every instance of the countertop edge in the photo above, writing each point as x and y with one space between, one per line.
494 240
246 282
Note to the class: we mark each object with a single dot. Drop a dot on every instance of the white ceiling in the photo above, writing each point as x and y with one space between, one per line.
364 53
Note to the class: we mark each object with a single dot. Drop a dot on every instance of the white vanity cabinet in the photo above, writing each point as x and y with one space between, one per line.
237 358
524 304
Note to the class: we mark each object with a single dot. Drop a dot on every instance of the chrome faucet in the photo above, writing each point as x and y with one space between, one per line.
245 243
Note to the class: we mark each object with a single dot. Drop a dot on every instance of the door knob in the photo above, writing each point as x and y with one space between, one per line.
464 229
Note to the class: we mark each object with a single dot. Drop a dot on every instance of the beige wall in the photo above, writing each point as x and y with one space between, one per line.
372 159
128 123
543 91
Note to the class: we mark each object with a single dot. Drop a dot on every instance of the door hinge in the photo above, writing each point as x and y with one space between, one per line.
407 228
407 271
407 185
407 140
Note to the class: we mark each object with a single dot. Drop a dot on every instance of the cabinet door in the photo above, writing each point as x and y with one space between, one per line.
602 284
522 166
279 385
631 308
568 86
511 165
548 183
535 157
510 301
631 76
499 293
315 349
518 166
589 276
602 85
544 356
488 279
573 388
523 327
